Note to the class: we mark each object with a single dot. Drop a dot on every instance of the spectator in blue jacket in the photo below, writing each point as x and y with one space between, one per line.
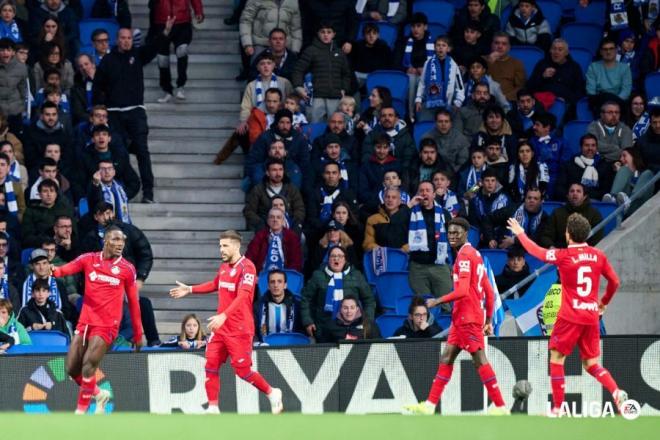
373 171
333 152
549 148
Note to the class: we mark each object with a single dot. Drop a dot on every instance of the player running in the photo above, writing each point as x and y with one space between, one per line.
107 277
580 267
233 327
471 290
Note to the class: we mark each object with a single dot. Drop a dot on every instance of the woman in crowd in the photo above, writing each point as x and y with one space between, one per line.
351 324
631 176
526 172
420 323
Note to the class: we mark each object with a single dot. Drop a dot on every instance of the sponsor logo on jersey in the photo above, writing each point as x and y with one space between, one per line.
93 276
551 255
579 305
226 285
464 266
248 279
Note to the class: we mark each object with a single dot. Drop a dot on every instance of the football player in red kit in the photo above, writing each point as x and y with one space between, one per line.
472 291
233 327
580 267
107 277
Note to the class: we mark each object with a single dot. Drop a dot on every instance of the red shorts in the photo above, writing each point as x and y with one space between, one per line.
238 347
566 334
468 337
108 334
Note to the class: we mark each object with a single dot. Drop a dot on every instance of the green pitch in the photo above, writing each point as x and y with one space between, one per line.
128 426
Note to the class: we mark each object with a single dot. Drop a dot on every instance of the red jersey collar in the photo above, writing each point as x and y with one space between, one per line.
114 263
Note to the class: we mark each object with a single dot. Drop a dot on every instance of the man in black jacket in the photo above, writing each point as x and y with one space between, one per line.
45 131
515 270
40 312
340 14
119 85
277 302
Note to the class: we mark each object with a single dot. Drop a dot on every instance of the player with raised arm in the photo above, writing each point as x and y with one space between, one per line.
472 291
108 276
232 329
580 267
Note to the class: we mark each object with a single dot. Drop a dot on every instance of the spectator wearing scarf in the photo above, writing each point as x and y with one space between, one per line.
478 74
586 168
489 198
105 187
527 172
55 294
333 152
550 148
255 91
319 206
325 290
430 254
275 247
415 53
13 191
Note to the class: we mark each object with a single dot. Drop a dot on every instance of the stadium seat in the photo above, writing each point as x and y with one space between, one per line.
87 27
83 207
442 318
573 131
496 257
279 339
402 304
34 349
567 8
558 108
397 261
419 129
388 324
504 16
314 130
552 11
606 209
583 111
441 12
400 107
25 256
294 280
549 206
474 237
533 262
652 85
388 32
584 35
87 6
581 56
48 337
394 80
390 286
595 13
529 55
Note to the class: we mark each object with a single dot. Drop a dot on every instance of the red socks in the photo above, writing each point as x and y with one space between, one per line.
256 380
557 383
78 380
490 382
441 379
87 387
212 386
603 376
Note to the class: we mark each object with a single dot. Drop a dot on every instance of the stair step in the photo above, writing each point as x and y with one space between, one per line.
167 209
198 183
193 95
198 222
207 303
183 249
191 146
185 276
213 200
220 135
200 171
227 69
214 83
165 120
176 316
207 108
142 21
182 158
224 9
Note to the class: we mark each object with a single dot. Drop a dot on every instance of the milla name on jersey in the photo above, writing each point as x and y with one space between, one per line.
584 257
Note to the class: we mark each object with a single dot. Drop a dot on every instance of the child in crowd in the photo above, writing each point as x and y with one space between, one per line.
417 50
443 195
347 106
370 53
470 46
292 103
471 176
40 313
392 179
478 74
8 26
191 337
10 326
528 26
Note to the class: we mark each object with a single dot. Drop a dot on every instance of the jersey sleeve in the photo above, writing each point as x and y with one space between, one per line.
612 281
543 254
75 266
207 287
462 284
130 285
489 296
244 289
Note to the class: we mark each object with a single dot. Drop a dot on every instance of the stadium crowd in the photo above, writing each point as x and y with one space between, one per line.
366 125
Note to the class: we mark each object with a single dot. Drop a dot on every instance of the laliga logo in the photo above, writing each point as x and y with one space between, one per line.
630 410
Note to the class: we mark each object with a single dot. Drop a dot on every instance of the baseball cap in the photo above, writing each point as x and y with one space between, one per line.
334 226
37 255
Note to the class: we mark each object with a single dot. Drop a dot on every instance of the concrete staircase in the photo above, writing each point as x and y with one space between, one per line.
196 199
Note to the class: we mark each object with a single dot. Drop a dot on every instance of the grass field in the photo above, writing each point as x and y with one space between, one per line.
128 426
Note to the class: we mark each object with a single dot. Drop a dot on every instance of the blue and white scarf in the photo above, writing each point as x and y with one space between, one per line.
474 176
449 202
11 31
417 236
500 202
343 171
334 294
88 94
641 126
392 8
54 291
308 85
259 91
407 54
275 254
405 197
15 171
379 260
10 197
470 83
435 95
618 15
590 173
529 223
4 287
328 200
116 196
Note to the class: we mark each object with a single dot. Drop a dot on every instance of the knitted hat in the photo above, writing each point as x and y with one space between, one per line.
283 113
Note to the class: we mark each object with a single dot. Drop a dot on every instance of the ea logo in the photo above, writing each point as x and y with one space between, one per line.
630 409
114 270
93 276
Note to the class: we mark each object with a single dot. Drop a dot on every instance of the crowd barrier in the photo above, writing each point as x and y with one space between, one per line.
353 378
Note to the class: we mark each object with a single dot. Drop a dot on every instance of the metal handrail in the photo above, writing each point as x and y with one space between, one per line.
618 213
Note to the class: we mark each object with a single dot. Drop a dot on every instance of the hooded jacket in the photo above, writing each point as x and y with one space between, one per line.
453 147
31 314
535 30
408 329
360 328
13 86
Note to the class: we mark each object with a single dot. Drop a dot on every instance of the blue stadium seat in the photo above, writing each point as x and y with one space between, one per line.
581 56
568 8
652 85
458 4
25 256
583 111
33 349
533 262
529 55
606 209
294 280
397 261
388 324
549 206
390 286
504 16
496 258
558 108
87 27
48 337
314 130
388 32
279 339
595 13
474 237
83 206
400 107
573 131
584 35
419 129
87 6
552 11
436 11
402 304
443 319
394 80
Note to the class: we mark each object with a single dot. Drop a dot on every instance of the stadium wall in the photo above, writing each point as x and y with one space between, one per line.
356 378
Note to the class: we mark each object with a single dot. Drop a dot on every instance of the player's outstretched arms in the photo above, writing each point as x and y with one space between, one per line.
180 290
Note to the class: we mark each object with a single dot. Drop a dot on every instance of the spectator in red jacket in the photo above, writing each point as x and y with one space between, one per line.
275 247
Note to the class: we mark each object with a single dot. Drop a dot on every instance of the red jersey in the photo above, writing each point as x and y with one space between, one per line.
472 290
235 285
106 282
580 267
